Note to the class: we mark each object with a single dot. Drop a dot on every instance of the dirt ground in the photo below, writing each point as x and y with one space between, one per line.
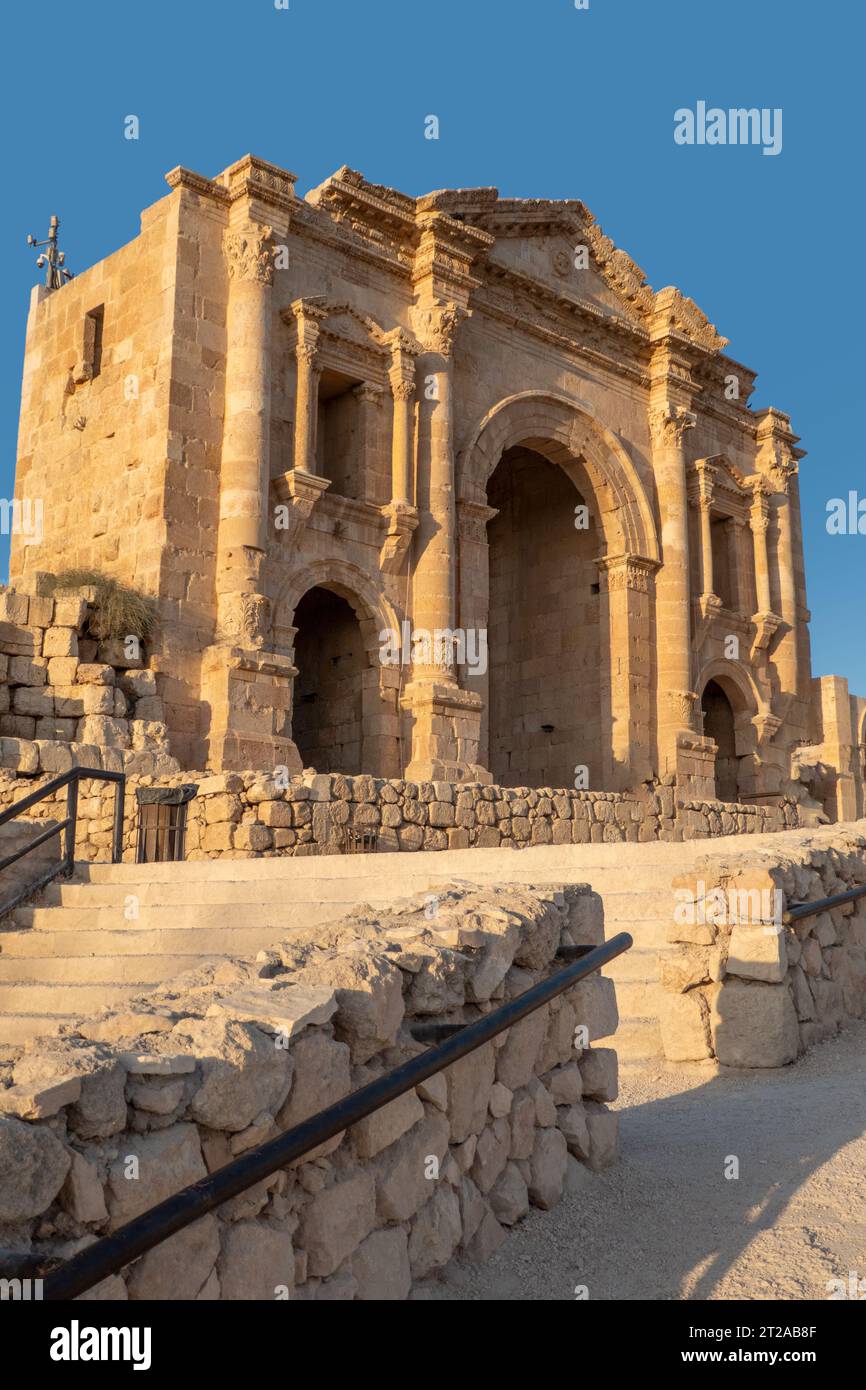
666 1223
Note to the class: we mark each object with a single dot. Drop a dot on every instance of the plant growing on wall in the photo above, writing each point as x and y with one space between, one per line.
116 611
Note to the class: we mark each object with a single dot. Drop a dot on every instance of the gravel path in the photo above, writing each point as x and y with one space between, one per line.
665 1223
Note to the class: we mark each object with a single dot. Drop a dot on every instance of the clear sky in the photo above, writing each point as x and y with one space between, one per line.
537 98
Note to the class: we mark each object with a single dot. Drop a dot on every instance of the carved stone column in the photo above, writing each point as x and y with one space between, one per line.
787 654
445 719
626 592
706 489
309 320
759 521
676 700
244 464
246 690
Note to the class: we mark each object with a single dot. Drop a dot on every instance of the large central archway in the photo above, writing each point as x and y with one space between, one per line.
544 714
568 608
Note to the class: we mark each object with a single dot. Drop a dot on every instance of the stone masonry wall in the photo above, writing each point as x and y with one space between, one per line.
748 990
241 814
127 1108
66 700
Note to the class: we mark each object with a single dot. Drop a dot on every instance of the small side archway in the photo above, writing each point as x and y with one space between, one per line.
729 704
329 619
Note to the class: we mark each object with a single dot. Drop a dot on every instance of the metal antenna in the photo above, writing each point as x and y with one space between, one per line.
54 259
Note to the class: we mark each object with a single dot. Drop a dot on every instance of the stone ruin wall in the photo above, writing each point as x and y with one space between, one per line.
240 815
743 988
125 1109
67 700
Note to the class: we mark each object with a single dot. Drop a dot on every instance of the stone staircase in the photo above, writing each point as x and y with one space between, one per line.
118 930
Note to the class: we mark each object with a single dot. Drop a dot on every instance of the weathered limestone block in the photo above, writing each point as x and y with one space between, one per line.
33 1168
470 1082
386 1125
60 641
547 1168
380 1266
755 953
522 1120
491 1154
335 1221
242 1072
82 1194
179 1267
96 673
369 993
509 1197
572 1124
598 1070
103 729
516 1059
753 1025
435 1233
684 1028
594 1004
151 1167
406 1172
28 670
603 1127
257 1261
565 1083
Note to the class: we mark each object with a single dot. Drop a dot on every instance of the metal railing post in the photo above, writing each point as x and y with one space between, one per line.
71 825
117 836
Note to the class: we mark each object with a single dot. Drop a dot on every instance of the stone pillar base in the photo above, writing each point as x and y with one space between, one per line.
446 730
247 694
696 767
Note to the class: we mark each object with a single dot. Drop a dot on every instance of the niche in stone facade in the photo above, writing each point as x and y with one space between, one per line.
327 720
339 438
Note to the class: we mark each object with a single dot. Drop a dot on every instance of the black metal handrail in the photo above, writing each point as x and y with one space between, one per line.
114 1252
801 910
71 780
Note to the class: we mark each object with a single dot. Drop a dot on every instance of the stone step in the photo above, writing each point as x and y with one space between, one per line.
200 941
20 1028
623 904
94 970
66 999
637 1041
573 862
276 917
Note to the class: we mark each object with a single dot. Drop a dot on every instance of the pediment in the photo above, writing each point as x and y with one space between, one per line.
568 265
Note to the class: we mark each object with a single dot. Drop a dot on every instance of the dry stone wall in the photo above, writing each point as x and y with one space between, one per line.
127 1108
242 814
747 989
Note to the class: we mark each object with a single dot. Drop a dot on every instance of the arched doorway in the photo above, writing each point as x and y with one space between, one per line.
544 711
327 719
719 726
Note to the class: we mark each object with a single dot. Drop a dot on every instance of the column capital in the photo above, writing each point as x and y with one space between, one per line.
668 425
437 327
627 572
369 392
249 252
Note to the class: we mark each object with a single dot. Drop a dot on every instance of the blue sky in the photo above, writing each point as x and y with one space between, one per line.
537 98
